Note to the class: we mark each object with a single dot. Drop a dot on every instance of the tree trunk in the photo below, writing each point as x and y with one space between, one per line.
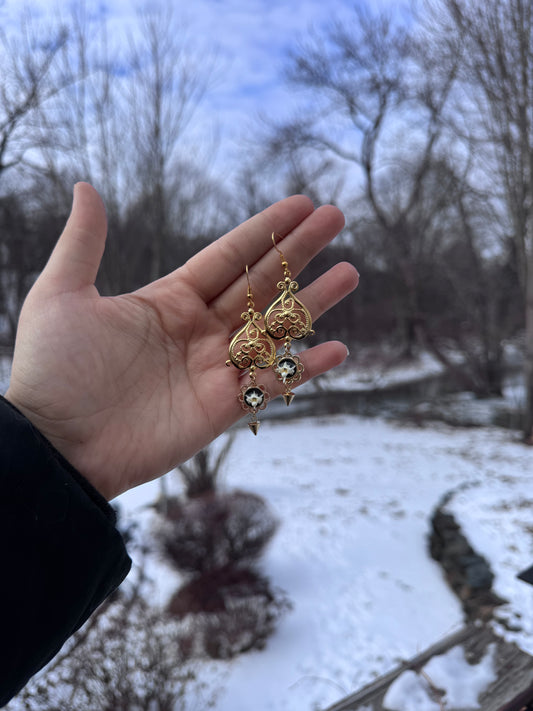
494 372
528 364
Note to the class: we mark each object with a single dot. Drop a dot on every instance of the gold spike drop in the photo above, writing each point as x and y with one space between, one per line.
288 397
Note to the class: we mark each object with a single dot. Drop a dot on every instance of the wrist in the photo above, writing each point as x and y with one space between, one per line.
57 447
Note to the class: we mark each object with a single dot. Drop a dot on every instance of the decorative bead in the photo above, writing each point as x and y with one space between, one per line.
254 397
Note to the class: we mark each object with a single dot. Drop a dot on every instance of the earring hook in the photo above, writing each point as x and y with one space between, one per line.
251 305
284 262
274 235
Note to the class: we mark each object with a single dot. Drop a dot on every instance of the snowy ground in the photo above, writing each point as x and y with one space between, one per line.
354 497
375 369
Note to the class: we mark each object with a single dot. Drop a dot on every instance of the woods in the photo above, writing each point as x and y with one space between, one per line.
418 125
414 112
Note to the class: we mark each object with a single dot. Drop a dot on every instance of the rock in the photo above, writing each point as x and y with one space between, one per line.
468 573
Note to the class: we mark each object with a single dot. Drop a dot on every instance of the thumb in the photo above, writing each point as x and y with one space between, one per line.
77 255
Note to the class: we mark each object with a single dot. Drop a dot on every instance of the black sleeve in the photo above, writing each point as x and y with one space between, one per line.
60 553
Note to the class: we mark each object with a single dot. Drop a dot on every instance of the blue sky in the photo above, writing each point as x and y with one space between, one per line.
250 38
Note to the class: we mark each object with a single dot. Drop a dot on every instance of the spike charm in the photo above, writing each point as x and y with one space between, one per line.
288 369
253 397
288 397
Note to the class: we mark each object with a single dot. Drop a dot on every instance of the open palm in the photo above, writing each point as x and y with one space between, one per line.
127 387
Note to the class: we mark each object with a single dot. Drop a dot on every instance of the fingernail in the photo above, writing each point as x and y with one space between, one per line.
73 197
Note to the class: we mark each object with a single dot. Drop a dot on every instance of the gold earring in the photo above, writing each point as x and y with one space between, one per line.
252 348
287 318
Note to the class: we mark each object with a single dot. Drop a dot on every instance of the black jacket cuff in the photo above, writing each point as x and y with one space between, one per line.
60 553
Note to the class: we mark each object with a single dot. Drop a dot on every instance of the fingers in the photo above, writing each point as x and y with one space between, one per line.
321 295
304 242
329 289
217 266
76 258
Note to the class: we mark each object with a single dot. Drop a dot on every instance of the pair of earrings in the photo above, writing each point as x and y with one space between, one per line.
253 346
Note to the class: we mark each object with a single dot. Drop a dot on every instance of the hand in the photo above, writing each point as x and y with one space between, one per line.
127 387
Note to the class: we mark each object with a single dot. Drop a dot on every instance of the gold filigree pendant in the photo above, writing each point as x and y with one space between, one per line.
252 348
289 319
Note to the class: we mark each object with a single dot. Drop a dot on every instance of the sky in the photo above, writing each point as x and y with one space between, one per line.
250 38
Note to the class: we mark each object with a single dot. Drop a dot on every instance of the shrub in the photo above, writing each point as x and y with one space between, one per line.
230 610
127 657
200 473
213 531
225 606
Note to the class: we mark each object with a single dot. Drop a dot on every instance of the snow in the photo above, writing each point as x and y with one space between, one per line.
375 371
462 682
496 515
354 497
450 673
409 692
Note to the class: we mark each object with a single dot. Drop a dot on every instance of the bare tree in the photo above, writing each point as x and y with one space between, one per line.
89 117
31 77
26 239
168 84
382 105
123 126
379 106
473 315
497 76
